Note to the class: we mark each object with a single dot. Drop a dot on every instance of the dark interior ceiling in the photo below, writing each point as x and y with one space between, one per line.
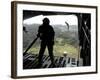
28 13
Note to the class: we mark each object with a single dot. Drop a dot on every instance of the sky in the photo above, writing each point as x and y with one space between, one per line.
54 20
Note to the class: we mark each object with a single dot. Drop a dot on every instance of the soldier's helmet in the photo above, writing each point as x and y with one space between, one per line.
46 21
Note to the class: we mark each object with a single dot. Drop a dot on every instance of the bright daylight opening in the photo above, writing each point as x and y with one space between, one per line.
66 34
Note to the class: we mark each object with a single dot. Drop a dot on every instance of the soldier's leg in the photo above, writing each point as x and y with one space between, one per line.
50 49
41 52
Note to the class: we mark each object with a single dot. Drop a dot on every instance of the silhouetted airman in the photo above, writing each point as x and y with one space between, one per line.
46 34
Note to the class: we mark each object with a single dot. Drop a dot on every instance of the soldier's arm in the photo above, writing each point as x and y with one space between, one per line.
38 35
53 34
